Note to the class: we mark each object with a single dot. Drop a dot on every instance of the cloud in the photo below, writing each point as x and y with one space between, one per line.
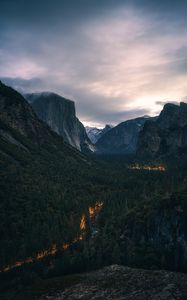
24 85
115 59
162 103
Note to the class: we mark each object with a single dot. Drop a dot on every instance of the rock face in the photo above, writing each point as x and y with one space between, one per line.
123 283
121 139
17 114
167 135
95 134
59 114
20 125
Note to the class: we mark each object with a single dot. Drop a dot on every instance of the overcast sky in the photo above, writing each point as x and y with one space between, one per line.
116 59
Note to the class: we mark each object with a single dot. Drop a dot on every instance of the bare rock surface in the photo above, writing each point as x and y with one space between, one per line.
59 113
118 283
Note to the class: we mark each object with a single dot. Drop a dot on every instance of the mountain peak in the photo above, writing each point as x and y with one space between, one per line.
47 96
167 135
170 105
108 126
17 114
121 139
59 113
95 133
183 105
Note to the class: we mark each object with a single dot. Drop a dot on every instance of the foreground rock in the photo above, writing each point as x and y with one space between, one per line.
118 282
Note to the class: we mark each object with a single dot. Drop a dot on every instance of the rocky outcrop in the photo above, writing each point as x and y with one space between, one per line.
123 283
121 139
167 135
95 134
59 114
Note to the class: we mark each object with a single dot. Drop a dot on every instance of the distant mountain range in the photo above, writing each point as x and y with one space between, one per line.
148 137
122 139
59 114
144 136
95 134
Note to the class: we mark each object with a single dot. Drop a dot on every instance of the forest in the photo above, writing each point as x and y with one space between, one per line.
63 212
51 224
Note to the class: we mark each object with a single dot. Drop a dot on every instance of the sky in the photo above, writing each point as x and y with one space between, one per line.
117 59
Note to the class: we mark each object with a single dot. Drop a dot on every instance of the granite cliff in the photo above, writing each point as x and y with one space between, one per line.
165 136
59 114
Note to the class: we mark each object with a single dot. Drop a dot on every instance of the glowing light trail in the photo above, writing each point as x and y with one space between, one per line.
93 212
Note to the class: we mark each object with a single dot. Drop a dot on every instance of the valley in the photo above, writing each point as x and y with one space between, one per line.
93 150
65 212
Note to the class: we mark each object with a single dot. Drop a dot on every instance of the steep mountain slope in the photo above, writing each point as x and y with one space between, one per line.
41 182
166 136
95 134
121 139
59 114
16 115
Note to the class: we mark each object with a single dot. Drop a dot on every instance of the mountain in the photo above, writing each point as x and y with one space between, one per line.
95 134
19 123
121 139
59 114
62 213
39 177
167 135
17 117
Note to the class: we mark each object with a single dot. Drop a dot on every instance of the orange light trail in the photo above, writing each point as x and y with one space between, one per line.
83 222
160 168
93 211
